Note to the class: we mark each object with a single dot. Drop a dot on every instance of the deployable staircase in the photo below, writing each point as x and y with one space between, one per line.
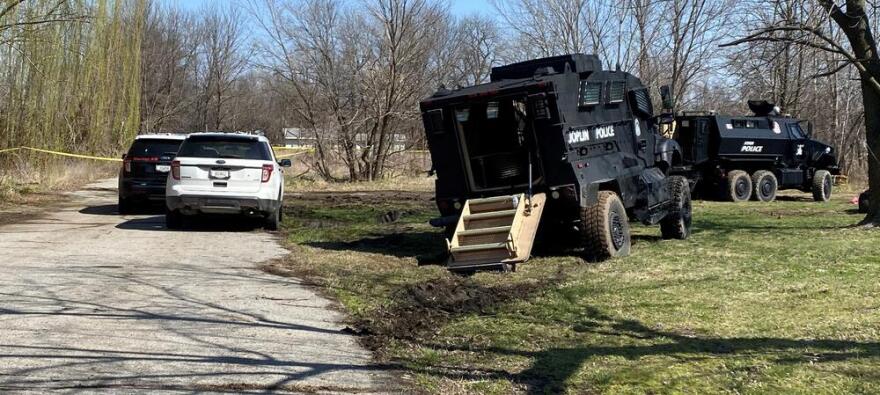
495 233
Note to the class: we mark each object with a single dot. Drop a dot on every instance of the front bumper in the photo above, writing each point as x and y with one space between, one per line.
194 204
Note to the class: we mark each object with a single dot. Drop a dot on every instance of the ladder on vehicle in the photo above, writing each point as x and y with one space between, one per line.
495 233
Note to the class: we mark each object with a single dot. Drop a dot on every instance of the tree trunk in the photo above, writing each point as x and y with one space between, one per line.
854 24
872 134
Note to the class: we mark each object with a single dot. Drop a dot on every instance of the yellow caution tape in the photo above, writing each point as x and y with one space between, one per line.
294 148
292 154
62 154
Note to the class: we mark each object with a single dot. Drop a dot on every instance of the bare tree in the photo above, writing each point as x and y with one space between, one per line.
223 56
476 46
168 69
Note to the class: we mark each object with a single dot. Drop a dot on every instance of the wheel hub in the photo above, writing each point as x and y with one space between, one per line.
741 189
617 235
766 188
827 190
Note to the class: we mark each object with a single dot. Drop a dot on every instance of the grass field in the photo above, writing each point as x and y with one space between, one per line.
764 298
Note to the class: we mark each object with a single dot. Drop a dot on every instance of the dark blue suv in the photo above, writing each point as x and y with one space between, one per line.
145 169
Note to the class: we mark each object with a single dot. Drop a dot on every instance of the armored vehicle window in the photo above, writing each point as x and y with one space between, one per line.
749 124
642 102
591 93
796 132
462 114
616 91
434 121
492 110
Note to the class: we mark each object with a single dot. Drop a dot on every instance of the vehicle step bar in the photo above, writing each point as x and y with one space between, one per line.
496 199
490 215
483 247
487 231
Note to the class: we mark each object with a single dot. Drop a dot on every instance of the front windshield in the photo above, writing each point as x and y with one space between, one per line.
796 132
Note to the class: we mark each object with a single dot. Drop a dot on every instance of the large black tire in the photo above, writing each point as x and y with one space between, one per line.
863 202
605 228
822 185
273 220
678 221
765 185
739 186
173 219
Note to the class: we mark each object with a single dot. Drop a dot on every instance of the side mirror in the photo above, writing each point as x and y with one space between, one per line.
666 97
285 163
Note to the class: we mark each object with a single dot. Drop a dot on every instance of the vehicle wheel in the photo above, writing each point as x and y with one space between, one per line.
678 221
273 220
765 186
605 228
863 203
739 186
173 219
124 206
822 184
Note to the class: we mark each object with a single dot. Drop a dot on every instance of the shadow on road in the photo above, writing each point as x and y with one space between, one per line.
222 335
229 223
112 209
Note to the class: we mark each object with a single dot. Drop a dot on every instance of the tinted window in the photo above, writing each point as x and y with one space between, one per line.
590 93
153 147
796 132
616 91
224 147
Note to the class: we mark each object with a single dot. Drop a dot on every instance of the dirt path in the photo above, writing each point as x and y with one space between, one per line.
95 301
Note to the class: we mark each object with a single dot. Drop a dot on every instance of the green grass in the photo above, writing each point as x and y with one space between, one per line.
764 298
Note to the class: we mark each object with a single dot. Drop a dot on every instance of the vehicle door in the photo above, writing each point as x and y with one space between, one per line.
799 147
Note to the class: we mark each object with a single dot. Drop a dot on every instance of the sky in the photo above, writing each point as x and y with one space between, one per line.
458 7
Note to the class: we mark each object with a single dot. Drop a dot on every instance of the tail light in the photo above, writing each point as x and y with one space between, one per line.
126 165
175 170
267 172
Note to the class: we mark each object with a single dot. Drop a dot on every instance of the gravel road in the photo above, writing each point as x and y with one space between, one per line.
91 301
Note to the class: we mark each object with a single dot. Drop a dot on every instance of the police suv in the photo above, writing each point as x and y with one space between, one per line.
225 173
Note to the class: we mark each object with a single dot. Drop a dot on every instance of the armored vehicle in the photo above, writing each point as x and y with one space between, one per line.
752 157
557 142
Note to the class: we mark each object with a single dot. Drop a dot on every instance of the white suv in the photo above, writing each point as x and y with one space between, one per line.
225 173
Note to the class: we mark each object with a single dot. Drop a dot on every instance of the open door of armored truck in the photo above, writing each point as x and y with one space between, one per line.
499 155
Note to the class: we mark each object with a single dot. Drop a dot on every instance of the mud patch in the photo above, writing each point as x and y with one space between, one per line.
420 310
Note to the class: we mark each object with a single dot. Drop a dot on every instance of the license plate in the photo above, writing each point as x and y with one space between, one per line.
163 168
221 174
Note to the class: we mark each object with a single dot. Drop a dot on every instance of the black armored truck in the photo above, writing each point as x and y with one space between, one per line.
557 142
738 158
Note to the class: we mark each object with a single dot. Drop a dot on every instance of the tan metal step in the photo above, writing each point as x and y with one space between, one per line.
480 248
492 233
498 234
493 204
486 231
490 215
